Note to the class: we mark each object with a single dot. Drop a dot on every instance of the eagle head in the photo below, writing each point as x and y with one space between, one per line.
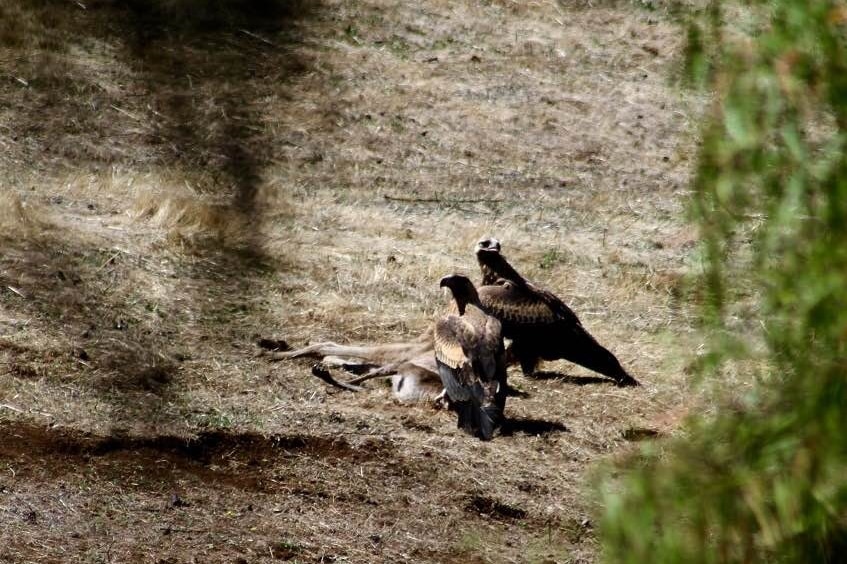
455 282
462 289
488 245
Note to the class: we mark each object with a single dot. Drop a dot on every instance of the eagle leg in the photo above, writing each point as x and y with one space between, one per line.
528 364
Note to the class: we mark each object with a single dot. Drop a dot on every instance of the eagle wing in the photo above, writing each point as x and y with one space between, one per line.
520 305
453 338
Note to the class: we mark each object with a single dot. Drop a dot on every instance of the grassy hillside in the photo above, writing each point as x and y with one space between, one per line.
179 179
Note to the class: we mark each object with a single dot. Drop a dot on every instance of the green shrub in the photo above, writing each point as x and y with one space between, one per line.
765 477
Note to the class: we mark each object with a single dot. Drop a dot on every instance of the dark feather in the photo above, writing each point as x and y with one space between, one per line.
457 391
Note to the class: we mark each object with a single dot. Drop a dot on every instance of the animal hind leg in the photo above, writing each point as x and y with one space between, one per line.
315 350
321 371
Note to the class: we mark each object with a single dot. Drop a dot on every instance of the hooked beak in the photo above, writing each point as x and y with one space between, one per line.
490 245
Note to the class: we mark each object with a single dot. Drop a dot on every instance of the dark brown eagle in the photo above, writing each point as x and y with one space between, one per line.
539 324
471 360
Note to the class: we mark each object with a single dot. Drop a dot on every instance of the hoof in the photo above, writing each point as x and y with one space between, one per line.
441 401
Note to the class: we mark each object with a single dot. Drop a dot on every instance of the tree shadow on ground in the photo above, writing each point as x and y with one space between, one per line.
193 80
81 331
205 68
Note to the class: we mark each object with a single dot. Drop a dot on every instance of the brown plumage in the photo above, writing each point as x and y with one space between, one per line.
539 324
471 360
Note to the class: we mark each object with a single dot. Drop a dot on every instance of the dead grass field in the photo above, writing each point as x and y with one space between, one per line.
171 192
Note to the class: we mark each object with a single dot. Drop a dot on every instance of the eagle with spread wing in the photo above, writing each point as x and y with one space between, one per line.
539 324
471 360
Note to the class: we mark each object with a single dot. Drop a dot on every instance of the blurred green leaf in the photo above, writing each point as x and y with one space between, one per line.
761 478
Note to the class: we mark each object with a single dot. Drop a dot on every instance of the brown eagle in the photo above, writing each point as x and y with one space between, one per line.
539 324
471 360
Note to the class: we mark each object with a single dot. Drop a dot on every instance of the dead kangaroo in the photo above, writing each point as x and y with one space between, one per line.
410 365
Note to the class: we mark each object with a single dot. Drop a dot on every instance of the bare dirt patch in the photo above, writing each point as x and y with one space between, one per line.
217 456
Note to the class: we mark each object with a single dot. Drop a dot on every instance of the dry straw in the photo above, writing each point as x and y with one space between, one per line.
189 220
17 217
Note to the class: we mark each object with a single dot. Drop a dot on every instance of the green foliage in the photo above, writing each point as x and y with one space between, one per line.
550 259
765 477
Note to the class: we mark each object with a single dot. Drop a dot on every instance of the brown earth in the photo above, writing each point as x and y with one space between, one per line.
178 181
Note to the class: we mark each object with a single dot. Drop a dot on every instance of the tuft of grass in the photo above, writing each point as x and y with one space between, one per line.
550 259
187 220
18 218
351 33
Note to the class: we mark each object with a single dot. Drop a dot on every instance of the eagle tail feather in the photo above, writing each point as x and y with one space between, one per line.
587 352
489 420
479 420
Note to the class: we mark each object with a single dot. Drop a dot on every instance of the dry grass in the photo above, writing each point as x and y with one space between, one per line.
189 220
17 219
312 180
